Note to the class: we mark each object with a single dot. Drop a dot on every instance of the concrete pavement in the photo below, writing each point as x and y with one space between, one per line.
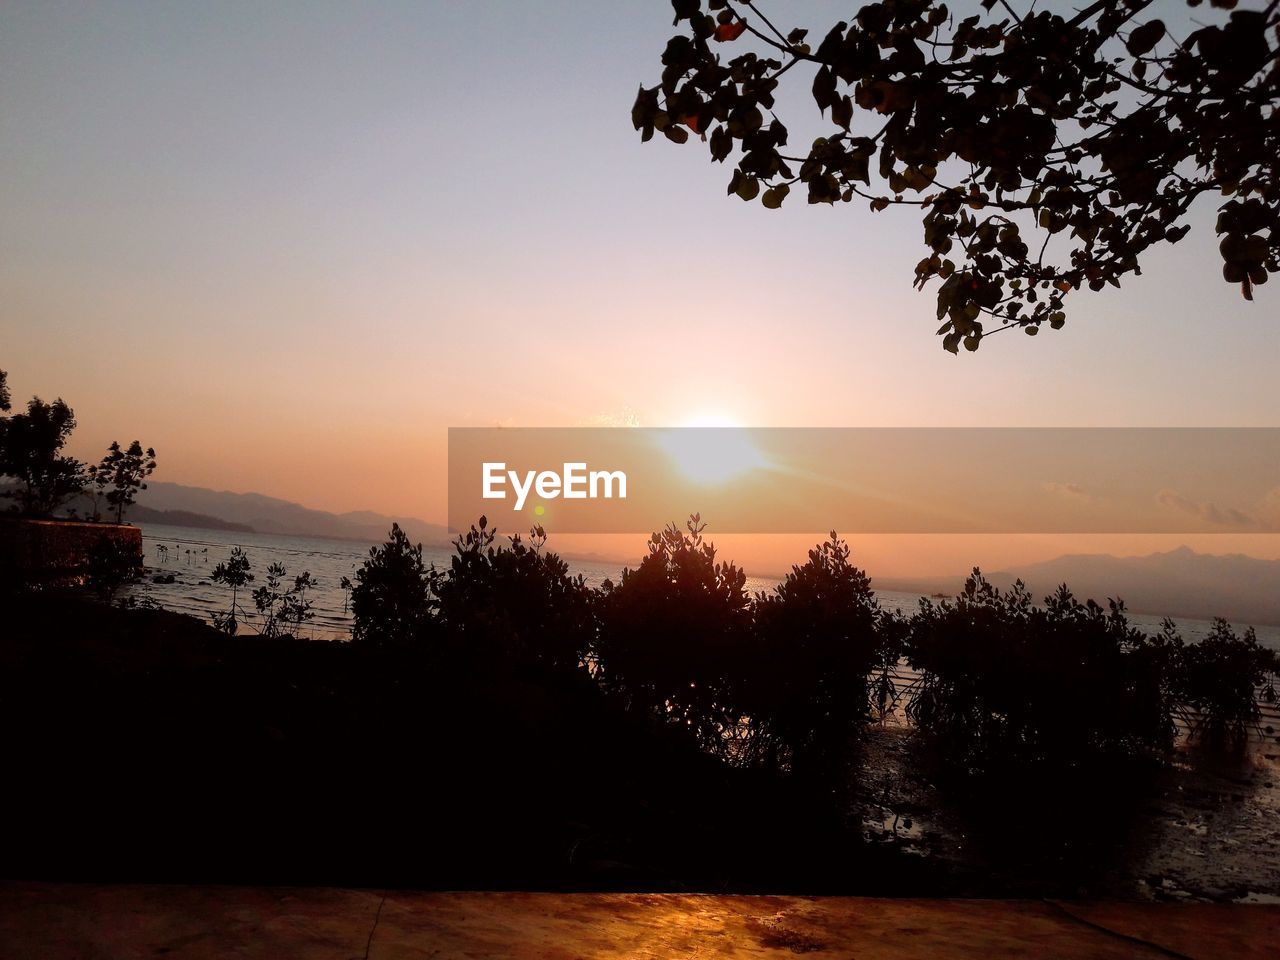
42 921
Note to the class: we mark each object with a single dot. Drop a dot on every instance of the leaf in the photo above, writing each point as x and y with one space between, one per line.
640 109
676 134
842 111
774 196
824 88
748 188
1144 38
685 9
730 31
721 143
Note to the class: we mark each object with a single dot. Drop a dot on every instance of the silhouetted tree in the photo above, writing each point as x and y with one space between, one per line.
126 470
673 632
515 603
393 599
31 453
295 608
283 611
1002 680
1098 128
267 597
1219 680
806 686
235 572
5 399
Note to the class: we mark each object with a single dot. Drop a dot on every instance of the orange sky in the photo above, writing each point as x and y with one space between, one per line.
291 252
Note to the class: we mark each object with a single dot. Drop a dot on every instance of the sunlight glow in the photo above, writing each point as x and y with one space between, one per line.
711 449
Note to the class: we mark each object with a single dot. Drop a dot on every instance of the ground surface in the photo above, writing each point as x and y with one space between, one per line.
124 922
1207 828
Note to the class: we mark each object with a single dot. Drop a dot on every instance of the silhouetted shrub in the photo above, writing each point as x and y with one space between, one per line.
805 685
474 778
267 597
283 611
295 608
393 600
1004 680
235 572
673 634
1220 679
514 603
788 680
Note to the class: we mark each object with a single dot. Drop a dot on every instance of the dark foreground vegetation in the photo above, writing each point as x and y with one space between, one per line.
500 723
142 744
40 481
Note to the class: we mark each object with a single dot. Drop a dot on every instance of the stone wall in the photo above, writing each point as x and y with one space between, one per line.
51 550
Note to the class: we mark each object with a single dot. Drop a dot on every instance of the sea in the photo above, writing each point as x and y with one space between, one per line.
189 555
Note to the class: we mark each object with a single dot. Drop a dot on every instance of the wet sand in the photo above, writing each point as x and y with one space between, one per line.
1205 829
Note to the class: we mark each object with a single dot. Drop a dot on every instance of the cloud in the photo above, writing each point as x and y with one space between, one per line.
1209 512
1072 491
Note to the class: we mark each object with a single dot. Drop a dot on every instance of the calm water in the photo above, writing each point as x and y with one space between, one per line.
192 553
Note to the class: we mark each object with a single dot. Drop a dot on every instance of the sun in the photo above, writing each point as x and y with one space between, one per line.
711 449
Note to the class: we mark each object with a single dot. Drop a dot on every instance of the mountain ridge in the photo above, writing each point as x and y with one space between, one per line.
1176 583
266 514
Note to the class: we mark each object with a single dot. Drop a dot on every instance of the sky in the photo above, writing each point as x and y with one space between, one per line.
289 245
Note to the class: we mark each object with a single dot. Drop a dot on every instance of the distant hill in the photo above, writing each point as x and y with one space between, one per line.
184 518
263 514
1179 583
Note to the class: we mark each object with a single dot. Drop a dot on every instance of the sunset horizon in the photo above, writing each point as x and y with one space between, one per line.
546 480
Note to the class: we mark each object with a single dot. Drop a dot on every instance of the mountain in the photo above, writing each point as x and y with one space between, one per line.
265 514
184 518
1179 583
